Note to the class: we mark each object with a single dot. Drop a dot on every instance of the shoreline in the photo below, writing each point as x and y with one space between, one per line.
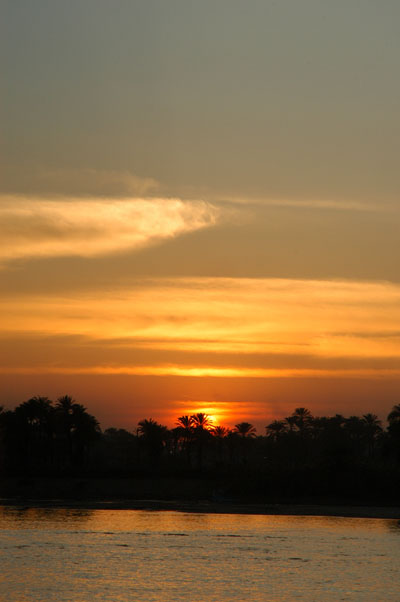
329 510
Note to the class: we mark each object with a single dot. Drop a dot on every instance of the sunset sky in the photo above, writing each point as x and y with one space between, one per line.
200 207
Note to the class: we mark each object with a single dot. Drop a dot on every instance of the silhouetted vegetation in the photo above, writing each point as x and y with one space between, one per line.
299 458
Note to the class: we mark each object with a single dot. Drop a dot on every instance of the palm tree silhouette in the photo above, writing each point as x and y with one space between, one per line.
245 429
246 432
394 431
394 415
220 434
85 429
201 421
185 426
276 429
201 425
302 419
220 431
36 423
154 436
64 422
373 429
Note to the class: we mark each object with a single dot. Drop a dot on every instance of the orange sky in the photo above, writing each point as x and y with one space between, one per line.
201 214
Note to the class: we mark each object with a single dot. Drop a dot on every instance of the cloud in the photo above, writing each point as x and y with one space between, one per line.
203 371
34 227
208 327
74 182
312 203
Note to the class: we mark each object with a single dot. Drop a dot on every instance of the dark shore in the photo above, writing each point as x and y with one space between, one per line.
380 512
180 495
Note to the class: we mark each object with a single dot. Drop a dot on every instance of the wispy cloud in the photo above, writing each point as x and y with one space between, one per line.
203 371
34 227
311 203
77 182
208 327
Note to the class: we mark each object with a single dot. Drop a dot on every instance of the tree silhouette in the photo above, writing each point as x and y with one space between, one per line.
35 424
394 432
220 433
373 429
299 456
64 426
394 415
120 448
245 429
185 425
302 419
154 436
201 421
246 432
276 429
85 429
201 426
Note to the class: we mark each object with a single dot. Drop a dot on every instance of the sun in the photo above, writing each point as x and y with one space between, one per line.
213 418
212 414
218 413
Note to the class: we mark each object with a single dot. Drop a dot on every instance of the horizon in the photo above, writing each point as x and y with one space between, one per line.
216 416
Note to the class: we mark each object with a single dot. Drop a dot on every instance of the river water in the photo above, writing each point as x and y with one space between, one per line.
119 555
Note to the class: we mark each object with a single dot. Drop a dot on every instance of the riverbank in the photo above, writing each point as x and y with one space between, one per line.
380 512
173 494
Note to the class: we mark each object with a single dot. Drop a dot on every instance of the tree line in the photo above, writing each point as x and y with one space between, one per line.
299 456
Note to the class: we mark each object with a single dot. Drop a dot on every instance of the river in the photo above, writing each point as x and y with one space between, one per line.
71 555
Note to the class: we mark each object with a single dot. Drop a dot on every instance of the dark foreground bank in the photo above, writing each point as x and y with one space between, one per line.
213 507
182 495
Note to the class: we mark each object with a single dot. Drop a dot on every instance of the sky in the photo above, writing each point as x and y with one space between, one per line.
199 207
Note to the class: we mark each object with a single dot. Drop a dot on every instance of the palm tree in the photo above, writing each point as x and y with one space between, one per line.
85 429
36 411
201 425
186 423
65 404
246 432
154 436
220 433
372 422
394 431
245 429
201 421
291 422
276 428
64 422
394 415
302 419
372 430
354 425
35 418
185 426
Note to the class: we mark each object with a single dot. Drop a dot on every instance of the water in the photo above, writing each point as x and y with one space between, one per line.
119 555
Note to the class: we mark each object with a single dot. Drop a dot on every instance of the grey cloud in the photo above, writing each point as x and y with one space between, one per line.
43 181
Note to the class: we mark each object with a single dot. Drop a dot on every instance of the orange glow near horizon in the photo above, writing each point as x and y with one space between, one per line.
217 414
208 328
227 413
